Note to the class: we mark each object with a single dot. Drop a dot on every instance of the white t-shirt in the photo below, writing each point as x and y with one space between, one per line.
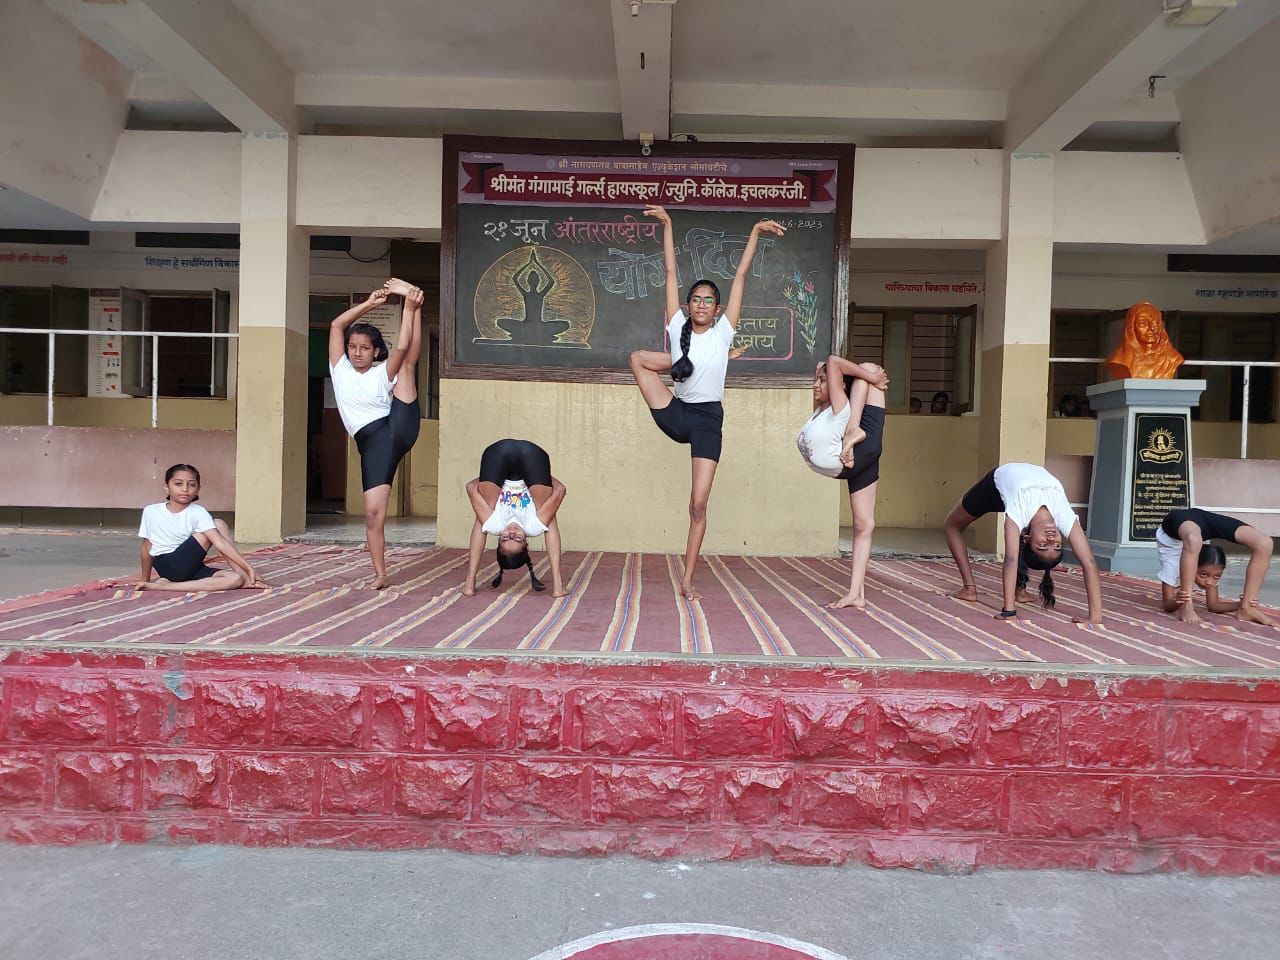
709 352
167 530
821 438
515 506
362 397
1025 488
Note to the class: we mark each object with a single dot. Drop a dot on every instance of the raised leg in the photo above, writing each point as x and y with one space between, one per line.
645 367
375 526
958 520
704 474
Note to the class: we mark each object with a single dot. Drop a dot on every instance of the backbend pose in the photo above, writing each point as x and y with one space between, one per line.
515 498
377 394
1036 513
699 336
1188 560
843 439
177 533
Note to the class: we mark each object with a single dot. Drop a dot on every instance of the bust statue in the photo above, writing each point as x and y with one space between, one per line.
1145 350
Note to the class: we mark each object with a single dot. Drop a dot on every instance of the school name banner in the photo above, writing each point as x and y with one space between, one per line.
552 271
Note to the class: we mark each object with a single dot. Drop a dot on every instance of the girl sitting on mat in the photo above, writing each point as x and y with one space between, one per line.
1189 560
177 533
843 439
515 498
699 336
377 394
1036 513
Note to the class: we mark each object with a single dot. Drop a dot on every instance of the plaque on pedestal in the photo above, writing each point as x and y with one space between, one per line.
1141 467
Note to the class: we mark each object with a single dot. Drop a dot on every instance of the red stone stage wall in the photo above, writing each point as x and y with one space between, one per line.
893 767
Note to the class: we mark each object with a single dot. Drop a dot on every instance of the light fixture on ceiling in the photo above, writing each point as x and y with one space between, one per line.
635 5
1195 13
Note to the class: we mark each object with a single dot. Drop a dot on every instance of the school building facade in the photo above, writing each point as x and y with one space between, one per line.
230 173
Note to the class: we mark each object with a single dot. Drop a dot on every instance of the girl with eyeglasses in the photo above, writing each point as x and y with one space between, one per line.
699 335
515 497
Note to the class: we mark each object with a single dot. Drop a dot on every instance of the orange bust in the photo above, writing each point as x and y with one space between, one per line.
1145 350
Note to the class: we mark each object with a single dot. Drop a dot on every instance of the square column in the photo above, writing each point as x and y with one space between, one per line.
1014 366
271 395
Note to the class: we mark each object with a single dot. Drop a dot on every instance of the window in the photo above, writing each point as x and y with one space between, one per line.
925 351
24 358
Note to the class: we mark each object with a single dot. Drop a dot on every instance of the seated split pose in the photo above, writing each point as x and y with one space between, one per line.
377 394
1036 513
515 498
176 535
843 439
699 336
1189 560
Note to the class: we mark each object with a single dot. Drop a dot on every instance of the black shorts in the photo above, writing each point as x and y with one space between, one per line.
384 443
866 452
983 497
184 564
1213 526
515 460
701 425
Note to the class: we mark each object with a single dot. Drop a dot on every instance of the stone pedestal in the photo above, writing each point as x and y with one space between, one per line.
1141 467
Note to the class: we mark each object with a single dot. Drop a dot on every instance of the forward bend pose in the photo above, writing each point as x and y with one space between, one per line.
377 394
515 498
1189 560
843 439
1036 513
699 336
176 535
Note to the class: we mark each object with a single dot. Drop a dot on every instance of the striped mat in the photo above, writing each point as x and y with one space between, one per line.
627 603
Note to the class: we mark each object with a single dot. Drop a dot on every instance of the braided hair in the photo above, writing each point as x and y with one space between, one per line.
514 561
682 369
380 351
1030 560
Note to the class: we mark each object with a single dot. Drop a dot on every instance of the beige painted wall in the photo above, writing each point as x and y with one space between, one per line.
628 485
178 413
424 471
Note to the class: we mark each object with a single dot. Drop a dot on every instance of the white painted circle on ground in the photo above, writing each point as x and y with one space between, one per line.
686 941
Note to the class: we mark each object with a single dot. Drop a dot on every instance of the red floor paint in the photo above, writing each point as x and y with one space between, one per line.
686 942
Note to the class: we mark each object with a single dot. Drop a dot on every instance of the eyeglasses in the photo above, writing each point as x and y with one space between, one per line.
704 301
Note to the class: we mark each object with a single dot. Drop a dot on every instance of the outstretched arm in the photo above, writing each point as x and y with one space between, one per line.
1012 543
739 287
838 368
668 258
1092 582
145 576
227 548
1215 604
338 329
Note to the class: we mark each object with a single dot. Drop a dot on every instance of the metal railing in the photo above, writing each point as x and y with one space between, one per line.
154 335
1248 365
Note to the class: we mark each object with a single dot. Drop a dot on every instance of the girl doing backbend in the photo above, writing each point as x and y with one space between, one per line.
844 439
515 498
176 535
1036 513
1188 559
377 394
699 336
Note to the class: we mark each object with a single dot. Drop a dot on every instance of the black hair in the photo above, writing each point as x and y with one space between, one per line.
179 468
514 561
941 395
380 351
682 369
1031 560
1211 555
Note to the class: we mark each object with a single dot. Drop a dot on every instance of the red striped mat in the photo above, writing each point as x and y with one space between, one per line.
629 603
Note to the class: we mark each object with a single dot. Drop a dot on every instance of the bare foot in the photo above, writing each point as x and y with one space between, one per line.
1249 614
851 441
1187 614
156 584
557 592
381 583
969 594
848 600
468 589
259 584
1023 596
689 592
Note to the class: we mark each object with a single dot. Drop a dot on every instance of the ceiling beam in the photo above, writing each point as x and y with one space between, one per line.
642 48
207 47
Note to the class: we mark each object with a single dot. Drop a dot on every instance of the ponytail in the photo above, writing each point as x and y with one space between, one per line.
682 369
514 561
1029 560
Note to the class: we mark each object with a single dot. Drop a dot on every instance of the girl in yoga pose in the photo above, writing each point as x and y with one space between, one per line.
1188 559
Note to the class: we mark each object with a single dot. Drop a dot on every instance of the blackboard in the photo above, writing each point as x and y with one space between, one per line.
1161 471
566 290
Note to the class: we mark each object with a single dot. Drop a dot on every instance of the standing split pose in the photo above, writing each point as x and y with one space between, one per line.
515 498
1036 513
699 336
377 394
1188 560
844 439
176 535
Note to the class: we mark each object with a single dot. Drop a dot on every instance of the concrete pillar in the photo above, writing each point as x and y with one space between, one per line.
1015 334
271 396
